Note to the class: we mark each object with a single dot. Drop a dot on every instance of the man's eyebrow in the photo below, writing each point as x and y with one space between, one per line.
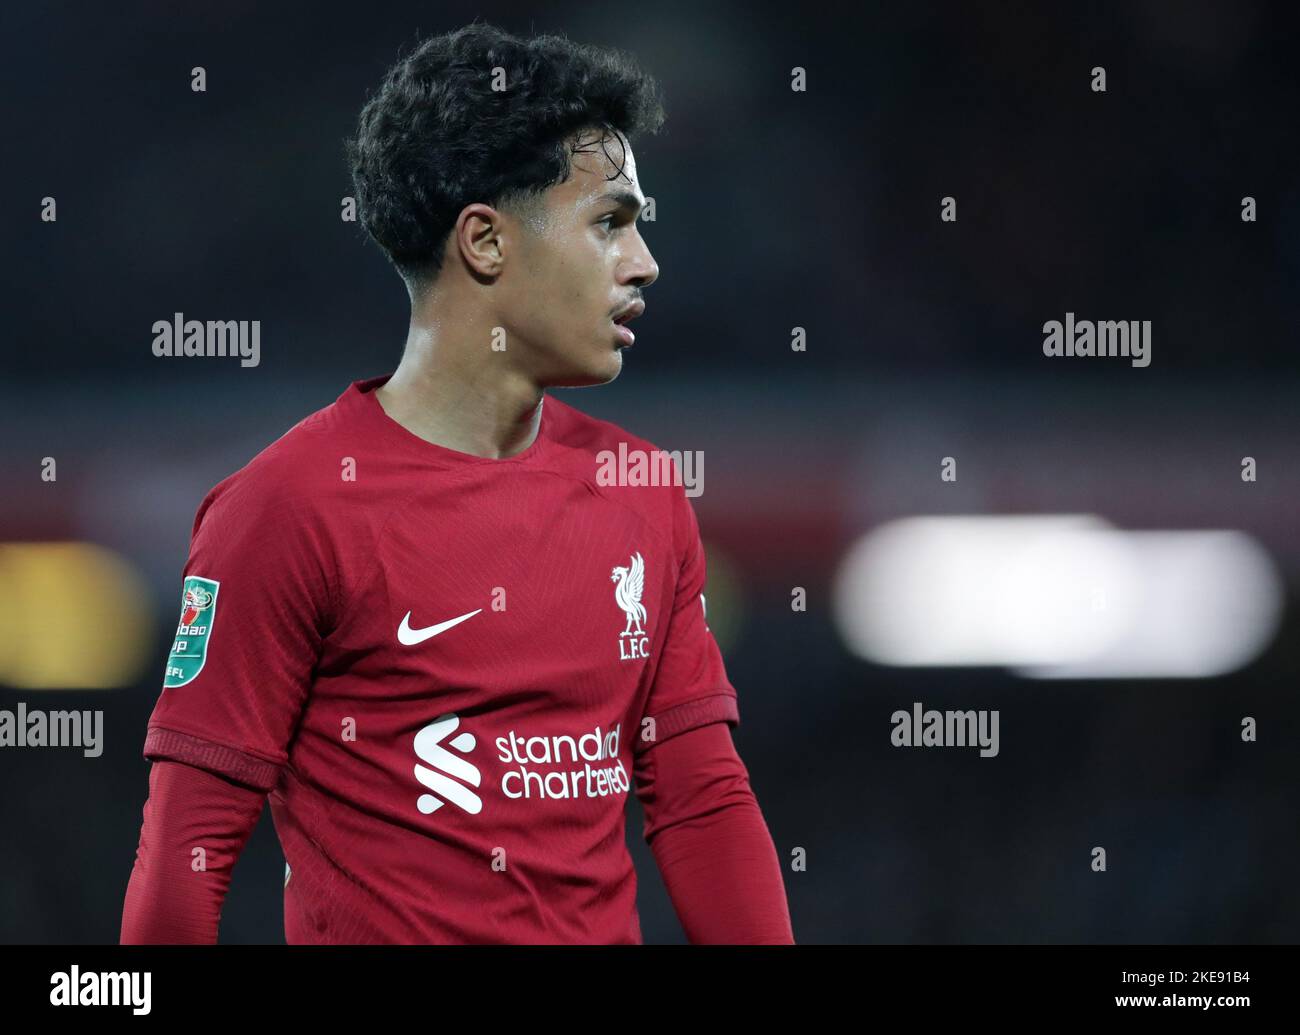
622 198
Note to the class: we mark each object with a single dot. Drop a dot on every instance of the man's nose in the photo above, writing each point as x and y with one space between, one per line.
642 270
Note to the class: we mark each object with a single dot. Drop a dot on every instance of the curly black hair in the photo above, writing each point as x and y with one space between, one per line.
437 136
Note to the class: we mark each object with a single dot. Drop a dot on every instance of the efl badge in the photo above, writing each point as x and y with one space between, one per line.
190 651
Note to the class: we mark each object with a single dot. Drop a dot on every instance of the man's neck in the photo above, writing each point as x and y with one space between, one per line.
463 399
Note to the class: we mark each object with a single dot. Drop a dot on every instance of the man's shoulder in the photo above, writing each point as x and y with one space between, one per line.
576 430
297 472
622 466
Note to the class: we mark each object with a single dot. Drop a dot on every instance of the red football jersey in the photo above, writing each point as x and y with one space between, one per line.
442 668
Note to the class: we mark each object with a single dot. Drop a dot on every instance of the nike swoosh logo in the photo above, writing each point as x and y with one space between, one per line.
409 637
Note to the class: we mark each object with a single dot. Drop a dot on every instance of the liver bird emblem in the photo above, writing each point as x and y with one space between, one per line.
627 593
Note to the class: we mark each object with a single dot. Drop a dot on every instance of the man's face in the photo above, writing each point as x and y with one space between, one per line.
578 266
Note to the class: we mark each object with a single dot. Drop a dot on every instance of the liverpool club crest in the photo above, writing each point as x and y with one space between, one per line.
629 583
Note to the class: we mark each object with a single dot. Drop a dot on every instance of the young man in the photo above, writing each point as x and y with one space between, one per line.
418 620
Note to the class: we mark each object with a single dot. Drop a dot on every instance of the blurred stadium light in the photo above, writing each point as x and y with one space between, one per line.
1057 596
73 616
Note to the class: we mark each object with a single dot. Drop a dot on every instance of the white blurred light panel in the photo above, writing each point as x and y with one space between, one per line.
1210 603
1056 596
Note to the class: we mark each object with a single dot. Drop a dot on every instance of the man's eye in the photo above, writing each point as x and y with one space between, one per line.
609 219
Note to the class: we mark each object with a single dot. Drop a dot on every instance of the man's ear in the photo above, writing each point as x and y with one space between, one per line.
481 238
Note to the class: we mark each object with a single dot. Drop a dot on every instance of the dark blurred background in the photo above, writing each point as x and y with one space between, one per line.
775 209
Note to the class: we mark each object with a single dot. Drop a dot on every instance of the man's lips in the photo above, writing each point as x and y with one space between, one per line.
629 312
623 317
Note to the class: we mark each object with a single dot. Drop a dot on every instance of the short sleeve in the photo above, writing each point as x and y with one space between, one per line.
690 685
255 602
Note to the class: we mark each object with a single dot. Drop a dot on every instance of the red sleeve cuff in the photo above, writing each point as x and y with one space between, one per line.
171 745
692 714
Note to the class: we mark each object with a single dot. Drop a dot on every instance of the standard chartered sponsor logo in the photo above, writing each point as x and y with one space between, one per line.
557 766
562 766
441 762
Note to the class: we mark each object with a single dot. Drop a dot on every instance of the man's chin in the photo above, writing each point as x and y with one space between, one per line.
593 375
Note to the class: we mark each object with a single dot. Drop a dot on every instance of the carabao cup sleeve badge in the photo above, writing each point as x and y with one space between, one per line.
190 649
